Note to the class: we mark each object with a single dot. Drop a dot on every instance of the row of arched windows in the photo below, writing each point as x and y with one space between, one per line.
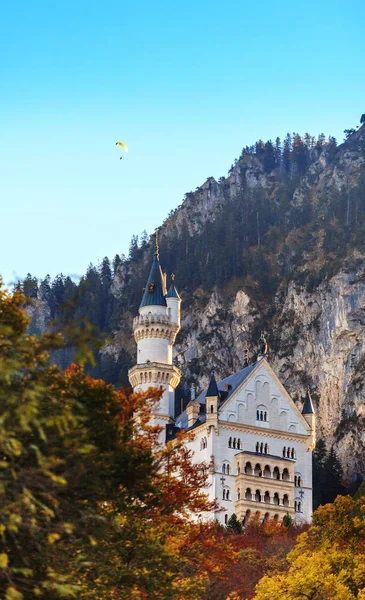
262 448
257 515
289 452
297 480
258 496
235 443
203 443
266 472
226 468
261 415
162 377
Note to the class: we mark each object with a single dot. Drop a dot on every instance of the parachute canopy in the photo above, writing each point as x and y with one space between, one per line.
124 146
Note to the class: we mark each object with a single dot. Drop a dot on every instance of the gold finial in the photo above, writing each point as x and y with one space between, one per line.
246 357
172 276
157 248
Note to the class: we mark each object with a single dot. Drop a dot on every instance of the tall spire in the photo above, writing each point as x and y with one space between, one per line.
308 404
154 294
212 390
157 249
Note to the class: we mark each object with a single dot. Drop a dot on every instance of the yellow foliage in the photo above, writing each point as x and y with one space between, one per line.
13 594
327 563
53 537
4 560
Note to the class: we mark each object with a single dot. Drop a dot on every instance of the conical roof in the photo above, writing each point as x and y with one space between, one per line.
173 293
212 388
308 405
154 291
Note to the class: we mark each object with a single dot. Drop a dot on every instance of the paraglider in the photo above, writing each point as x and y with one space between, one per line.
123 145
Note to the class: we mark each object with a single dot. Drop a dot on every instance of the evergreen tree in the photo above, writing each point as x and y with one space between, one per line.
269 157
287 148
234 525
133 248
30 286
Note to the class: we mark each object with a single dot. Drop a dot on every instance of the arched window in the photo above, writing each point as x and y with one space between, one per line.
266 449
288 453
230 443
284 451
276 498
238 469
257 447
257 415
227 469
265 416
224 494
248 494
292 452
225 519
258 496
211 408
234 442
238 494
267 497
299 507
224 468
261 448
276 473
258 471
285 476
247 517
295 481
267 471
299 481
248 468
239 444
227 495
286 500
295 506
261 415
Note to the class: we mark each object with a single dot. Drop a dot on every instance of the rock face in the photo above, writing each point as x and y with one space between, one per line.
313 241
319 335
321 343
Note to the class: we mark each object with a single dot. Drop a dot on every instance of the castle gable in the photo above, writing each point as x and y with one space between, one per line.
261 400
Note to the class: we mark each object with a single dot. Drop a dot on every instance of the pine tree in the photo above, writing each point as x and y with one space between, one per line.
234 525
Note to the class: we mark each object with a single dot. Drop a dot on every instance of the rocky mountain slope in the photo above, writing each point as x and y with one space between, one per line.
278 245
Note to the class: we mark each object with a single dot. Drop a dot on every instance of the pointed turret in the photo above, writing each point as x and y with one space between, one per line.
308 404
173 293
154 294
212 390
173 301
211 399
310 416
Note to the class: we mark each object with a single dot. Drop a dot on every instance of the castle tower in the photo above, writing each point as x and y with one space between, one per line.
310 416
155 330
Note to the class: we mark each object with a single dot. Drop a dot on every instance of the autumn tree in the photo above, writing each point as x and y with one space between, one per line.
327 563
90 505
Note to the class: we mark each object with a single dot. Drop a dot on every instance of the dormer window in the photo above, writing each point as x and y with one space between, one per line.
151 287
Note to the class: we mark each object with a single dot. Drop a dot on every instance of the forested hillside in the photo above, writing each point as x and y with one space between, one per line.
279 245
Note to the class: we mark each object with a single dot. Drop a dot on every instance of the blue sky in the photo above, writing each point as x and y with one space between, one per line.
185 85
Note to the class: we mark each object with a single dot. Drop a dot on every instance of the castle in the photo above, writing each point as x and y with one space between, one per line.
256 444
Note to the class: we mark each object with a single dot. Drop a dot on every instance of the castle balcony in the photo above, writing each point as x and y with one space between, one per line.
151 319
154 374
261 510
